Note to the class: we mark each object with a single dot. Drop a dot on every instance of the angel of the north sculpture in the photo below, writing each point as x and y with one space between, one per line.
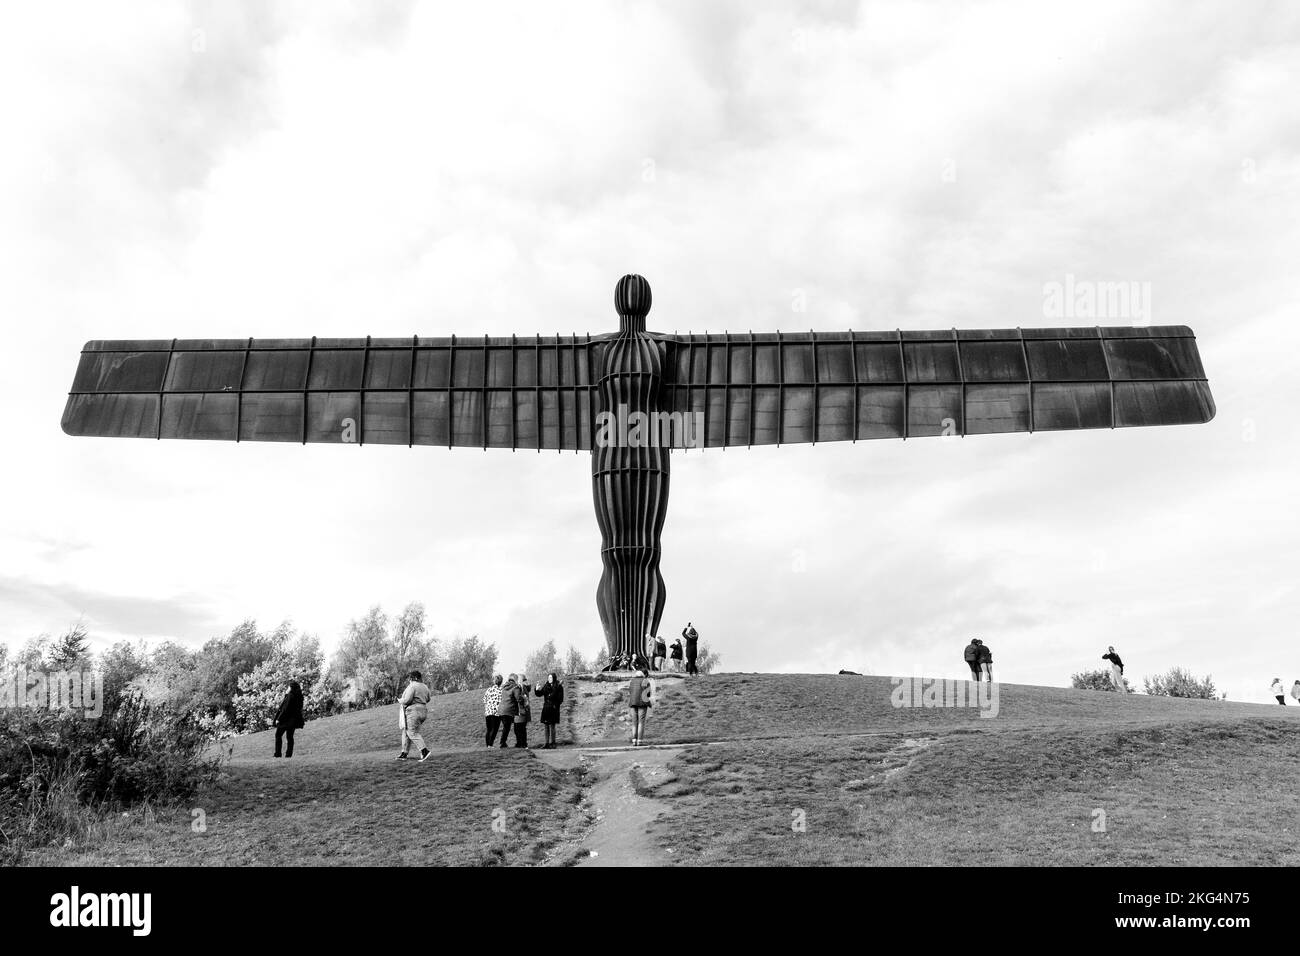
631 396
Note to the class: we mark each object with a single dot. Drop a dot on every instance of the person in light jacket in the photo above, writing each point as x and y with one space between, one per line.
1278 691
289 717
412 711
552 694
640 690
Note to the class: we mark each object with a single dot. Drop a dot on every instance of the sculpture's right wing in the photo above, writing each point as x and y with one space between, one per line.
529 392
776 388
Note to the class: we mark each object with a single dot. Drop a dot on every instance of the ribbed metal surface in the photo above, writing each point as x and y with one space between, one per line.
630 484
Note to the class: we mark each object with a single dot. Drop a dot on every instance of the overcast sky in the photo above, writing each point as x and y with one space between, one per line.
385 169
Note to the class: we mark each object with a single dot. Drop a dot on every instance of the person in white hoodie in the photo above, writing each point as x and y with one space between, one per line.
1278 691
413 711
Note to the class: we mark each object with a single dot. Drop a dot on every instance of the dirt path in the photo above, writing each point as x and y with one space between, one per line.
621 816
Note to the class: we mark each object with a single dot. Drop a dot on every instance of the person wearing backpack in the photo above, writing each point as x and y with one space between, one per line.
640 691
972 657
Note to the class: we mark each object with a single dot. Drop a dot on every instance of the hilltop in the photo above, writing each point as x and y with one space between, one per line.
758 769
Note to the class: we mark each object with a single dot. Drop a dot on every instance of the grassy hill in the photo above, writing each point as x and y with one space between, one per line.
816 769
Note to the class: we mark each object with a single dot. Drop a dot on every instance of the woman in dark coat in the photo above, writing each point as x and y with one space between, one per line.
289 717
552 694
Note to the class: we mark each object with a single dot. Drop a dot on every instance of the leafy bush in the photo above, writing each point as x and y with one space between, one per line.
58 768
1096 680
1180 683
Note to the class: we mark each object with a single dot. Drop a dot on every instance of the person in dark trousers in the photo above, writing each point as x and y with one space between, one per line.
692 638
1278 691
675 655
986 661
491 700
972 657
289 717
639 691
659 655
552 695
1116 670
525 691
508 709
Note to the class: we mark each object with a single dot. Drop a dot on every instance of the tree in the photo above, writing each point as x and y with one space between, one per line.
34 653
263 688
120 665
71 651
1096 680
542 662
468 664
574 663
170 678
223 660
366 658
1180 683
706 660
411 649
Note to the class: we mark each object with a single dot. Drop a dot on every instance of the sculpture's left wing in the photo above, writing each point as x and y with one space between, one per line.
776 388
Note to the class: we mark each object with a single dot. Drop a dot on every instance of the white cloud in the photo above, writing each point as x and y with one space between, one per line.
484 168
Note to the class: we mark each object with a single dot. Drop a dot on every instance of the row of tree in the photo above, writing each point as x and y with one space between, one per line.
234 684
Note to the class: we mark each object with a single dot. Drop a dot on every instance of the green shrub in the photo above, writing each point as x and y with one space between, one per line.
1096 680
60 771
1180 683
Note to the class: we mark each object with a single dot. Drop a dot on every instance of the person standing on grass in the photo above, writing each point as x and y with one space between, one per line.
289 717
525 691
675 655
692 637
640 690
413 710
1278 691
660 654
1116 670
972 657
508 708
1295 691
986 661
552 694
491 700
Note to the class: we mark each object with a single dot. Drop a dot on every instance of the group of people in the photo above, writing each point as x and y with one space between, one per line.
1279 691
979 659
687 646
507 705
